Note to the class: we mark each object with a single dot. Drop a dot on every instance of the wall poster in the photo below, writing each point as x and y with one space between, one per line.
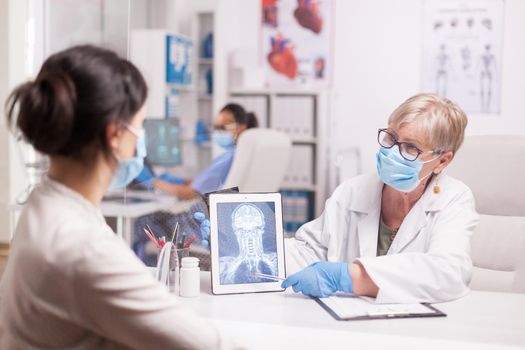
462 52
297 42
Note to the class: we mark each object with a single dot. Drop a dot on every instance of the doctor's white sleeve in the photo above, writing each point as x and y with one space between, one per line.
440 274
119 299
313 240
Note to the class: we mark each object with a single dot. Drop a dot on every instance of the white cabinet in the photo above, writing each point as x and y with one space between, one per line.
205 67
165 60
302 115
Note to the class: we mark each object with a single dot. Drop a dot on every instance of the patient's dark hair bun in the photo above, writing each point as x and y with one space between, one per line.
76 94
46 111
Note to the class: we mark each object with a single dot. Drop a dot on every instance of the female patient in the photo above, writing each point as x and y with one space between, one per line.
70 283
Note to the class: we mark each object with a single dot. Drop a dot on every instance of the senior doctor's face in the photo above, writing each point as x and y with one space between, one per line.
406 159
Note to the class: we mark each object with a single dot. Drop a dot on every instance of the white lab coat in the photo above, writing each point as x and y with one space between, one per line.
429 259
71 283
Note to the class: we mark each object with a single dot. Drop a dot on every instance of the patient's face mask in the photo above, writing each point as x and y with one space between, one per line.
128 169
223 138
397 172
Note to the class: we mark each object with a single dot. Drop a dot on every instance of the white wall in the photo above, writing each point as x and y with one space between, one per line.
378 63
4 145
237 27
14 68
72 22
377 66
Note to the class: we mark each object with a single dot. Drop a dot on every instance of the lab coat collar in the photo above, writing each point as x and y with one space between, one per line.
367 198
367 202
417 217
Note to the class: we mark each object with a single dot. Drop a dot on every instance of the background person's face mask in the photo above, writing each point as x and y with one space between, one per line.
397 172
128 169
223 138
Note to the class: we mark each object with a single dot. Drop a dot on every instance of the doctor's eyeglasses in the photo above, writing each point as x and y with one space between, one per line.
408 150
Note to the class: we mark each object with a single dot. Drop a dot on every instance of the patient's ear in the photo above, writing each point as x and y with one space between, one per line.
113 134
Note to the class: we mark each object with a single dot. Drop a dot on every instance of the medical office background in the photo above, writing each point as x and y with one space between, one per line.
376 54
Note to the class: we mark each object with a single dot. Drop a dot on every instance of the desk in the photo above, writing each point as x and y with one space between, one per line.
481 320
126 213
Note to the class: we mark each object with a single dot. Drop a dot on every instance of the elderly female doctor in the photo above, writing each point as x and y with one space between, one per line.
70 282
403 234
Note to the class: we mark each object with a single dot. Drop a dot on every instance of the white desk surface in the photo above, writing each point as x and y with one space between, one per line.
157 201
480 320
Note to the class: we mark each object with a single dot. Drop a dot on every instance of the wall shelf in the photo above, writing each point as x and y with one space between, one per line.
299 113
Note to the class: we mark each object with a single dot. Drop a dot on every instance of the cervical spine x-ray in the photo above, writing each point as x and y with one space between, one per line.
247 242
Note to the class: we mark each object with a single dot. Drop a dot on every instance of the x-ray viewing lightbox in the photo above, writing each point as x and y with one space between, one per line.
247 242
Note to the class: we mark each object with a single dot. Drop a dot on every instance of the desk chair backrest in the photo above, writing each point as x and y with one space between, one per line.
494 169
261 159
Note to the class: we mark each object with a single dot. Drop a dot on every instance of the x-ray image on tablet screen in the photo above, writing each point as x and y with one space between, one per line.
246 240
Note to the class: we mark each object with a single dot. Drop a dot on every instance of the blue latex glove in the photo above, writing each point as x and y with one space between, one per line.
172 179
321 279
205 228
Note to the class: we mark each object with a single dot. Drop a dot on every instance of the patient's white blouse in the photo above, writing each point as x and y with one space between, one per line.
71 283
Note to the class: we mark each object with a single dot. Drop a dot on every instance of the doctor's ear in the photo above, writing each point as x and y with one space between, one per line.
444 160
113 134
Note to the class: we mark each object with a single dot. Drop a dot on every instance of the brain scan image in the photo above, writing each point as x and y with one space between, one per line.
247 242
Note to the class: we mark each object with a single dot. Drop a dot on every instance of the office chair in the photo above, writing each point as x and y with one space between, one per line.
261 160
494 168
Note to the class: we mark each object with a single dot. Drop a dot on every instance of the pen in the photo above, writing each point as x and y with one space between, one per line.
151 231
152 239
263 275
175 233
183 240
189 242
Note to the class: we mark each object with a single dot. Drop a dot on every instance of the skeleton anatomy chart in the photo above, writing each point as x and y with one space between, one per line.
462 45
247 241
296 41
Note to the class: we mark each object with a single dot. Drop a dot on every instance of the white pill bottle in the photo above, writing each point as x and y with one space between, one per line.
190 277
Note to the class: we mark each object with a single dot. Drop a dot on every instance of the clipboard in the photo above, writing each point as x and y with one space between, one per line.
341 308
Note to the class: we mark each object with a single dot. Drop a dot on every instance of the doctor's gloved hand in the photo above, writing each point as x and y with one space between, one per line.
321 279
205 228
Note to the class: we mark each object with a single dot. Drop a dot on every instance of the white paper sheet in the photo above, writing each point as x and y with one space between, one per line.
349 306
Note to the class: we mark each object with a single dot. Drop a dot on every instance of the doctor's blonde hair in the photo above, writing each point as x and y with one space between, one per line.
442 121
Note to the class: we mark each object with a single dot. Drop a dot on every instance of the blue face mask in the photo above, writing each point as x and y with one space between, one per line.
128 169
397 172
223 138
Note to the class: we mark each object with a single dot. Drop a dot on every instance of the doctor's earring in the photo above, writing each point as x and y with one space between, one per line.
436 188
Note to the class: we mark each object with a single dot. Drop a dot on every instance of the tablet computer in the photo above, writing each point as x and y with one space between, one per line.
246 242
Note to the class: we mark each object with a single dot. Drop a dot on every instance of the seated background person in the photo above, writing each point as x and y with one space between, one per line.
231 122
146 177
403 234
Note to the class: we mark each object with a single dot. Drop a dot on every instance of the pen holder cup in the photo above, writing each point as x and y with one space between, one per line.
182 253
167 271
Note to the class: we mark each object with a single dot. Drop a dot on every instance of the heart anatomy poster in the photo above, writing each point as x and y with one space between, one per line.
297 42
462 45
